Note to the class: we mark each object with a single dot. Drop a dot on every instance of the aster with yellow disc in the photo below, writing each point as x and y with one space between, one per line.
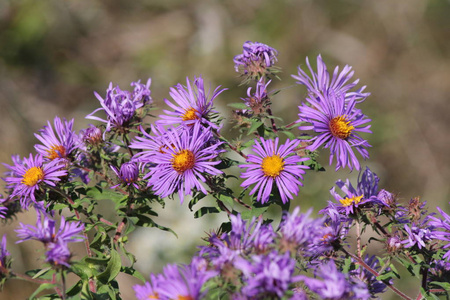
29 175
274 165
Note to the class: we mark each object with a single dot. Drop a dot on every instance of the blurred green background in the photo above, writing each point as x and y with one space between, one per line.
54 54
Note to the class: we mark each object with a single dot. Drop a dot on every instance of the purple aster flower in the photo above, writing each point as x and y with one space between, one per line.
444 225
393 244
148 290
364 194
333 285
268 275
55 241
4 257
120 106
257 101
58 143
319 83
45 231
300 231
337 123
191 104
372 285
186 156
128 173
182 282
255 59
91 136
417 235
244 238
28 176
274 164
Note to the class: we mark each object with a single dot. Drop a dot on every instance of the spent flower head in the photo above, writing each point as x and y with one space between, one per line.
255 60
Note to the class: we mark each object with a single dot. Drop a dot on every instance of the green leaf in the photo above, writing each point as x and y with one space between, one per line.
444 285
254 127
75 289
238 105
289 134
42 287
82 270
206 210
104 193
254 212
133 272
112 268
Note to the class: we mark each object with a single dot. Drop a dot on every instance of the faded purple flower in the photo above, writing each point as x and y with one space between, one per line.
120 106
91 136
255 58
319 83
183 161
28 176
191 105
337 123
417 235
58 143
274 165
4 256
268 275
257 101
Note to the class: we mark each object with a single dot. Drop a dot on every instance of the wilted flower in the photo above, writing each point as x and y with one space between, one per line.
337 123
257 101
4 257
255 59
92 136
274 165
120 106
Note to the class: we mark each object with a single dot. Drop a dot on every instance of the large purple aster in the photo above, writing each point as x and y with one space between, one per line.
442 231
274 165
186 156
338 124
28 175
57 143
320 84
192 104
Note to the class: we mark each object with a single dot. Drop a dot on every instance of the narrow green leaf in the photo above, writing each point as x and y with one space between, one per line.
206 210
238 105
254 127
112 268
42 287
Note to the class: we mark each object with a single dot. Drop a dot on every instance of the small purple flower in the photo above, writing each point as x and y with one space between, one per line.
55 241
337 123
319 83
28 176
4 257
58 143
274 165
191 104
372 285
255 58
334 284
365 193
128 173
91 136
120 106
300 231
268 275
182 282
443 225
185 157
417 235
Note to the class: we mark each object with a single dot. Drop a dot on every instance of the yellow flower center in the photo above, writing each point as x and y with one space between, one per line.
189 114
153 296
272 165
32 176
349 201
56 151
183 161
326 236
340 128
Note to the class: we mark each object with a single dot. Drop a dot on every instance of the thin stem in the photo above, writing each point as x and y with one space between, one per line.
358 239
63 283
376 274
272 120
229 145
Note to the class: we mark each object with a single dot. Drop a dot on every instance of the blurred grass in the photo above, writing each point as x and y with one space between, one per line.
54 54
